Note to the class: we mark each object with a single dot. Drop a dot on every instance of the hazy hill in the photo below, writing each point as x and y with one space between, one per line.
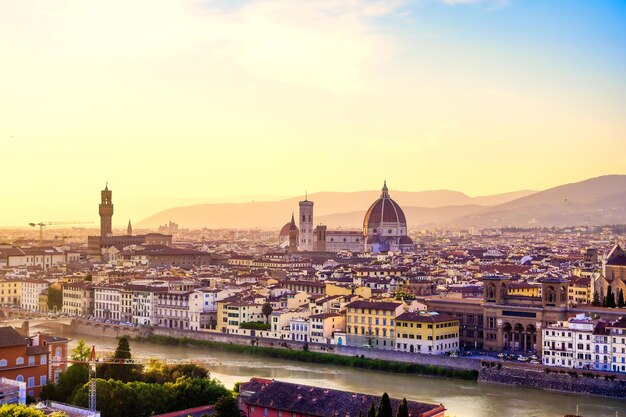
415 216
600 200
349 207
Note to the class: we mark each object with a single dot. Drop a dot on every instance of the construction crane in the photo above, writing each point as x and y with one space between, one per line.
93 361
44 224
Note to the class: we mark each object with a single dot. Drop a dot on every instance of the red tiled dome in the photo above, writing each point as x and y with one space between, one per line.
285 230
384 210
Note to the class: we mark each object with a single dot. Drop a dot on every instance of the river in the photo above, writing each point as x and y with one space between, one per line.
461 398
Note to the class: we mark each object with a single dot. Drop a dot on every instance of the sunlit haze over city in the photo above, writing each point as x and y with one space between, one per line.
187 102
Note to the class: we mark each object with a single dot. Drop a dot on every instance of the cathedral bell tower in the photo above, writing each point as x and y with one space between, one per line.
106 212
306 225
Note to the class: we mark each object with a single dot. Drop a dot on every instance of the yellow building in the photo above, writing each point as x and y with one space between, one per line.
579 291
43 301
433 334
10 291
372 324
524 289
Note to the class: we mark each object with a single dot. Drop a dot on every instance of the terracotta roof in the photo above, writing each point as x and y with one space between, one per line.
383 305
10 337
425 318
318 401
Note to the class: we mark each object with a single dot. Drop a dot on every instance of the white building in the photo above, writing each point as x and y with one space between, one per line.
31 289
172 310
601 348
299 329
108 302
580 343
203 307
617 331
143 303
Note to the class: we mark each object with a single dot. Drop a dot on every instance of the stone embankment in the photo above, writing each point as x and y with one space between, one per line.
555 379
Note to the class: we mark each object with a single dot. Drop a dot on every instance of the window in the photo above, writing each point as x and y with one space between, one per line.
31 360
19 361
42 380
31 381
265 411
3 362
19 378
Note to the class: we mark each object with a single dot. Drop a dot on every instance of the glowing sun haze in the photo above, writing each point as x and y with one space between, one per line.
177 102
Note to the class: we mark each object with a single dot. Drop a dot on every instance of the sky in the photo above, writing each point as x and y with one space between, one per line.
182 101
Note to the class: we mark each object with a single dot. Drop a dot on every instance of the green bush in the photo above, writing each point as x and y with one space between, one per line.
255 325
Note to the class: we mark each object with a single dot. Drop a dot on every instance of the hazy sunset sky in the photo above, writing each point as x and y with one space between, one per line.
176 102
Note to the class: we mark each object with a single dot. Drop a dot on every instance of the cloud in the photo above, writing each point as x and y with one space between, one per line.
328 44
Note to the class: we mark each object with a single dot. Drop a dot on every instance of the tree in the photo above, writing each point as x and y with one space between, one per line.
372 411
267 310
360 413
55 297
620 298
189 393
596 299
19 410
81 352
160 373
226 406
384 407
70 381
122 371
403 409
610 298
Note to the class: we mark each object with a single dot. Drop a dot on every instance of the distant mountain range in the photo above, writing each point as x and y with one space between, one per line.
600 200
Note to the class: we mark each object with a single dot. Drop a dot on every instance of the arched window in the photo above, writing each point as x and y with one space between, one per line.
19 361
3 362
19 378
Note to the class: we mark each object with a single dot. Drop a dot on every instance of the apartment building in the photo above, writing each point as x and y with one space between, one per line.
372 323
429 333
31 289
10 291
172 310
22 362
108 302
78 298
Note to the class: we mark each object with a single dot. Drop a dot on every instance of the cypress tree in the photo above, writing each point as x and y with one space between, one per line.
372 411
620 298
384 407
403 409
596 299
610 298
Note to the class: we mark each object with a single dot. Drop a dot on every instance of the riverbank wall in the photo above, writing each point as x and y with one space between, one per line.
564 380
463 364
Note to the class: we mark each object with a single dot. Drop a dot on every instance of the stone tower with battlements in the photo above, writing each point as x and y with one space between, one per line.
106 212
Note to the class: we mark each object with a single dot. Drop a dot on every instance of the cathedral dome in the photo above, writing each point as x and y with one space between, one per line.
384 210
284 232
